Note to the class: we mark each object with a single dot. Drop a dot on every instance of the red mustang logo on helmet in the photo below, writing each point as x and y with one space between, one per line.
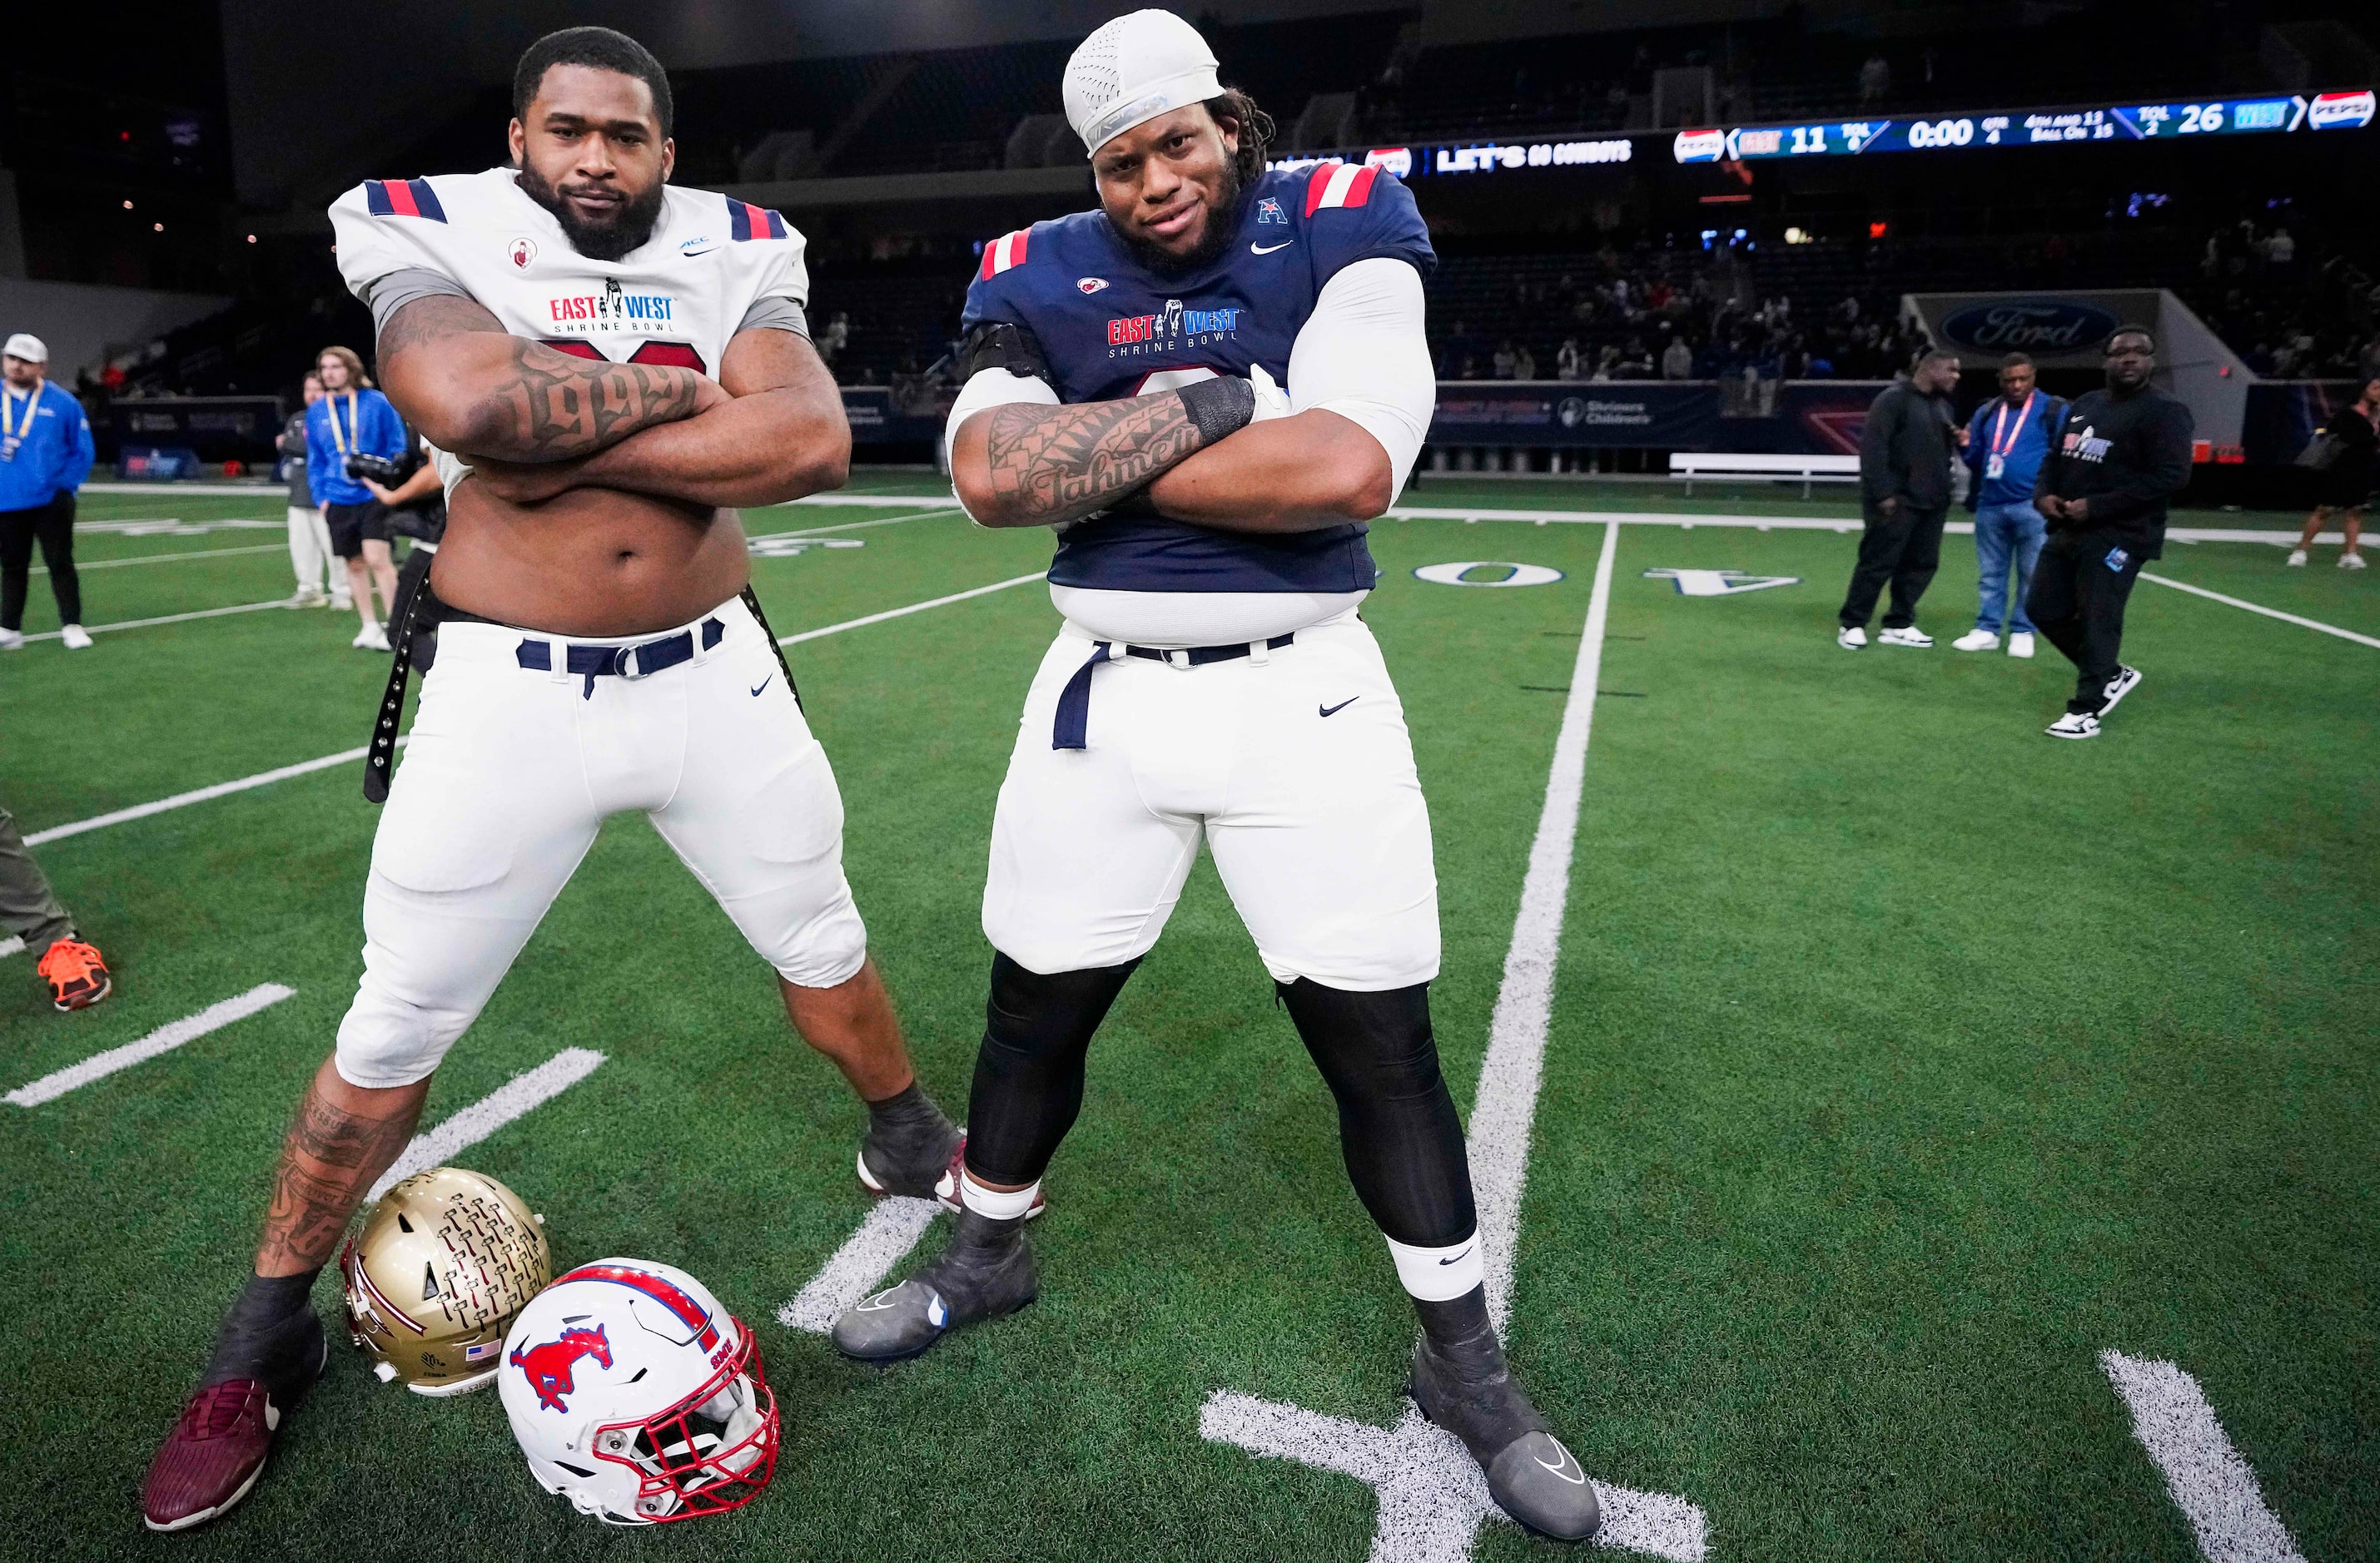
548 1366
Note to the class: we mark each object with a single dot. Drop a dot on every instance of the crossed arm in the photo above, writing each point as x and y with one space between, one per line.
533 422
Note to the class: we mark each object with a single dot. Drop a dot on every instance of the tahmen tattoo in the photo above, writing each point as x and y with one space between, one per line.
550 407
1060 464
328 1160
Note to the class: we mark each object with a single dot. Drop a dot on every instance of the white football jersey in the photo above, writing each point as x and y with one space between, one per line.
676 299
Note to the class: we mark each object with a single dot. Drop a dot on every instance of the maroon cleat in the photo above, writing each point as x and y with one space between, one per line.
216 1451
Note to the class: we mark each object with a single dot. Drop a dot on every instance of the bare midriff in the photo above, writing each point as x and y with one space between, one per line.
592 561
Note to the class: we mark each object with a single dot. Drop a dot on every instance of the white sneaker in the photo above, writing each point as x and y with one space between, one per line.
2074 724
1851 637
306 597
2298 557
2021 644
12 640
1912 637
2351 562
343 603
372 638
74 638
2124 682
1976 640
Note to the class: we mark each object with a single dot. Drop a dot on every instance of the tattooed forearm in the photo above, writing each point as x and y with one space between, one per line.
1058 463
559 406
328 1160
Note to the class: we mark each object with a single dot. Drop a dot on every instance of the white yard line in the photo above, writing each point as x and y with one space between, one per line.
263 778
164 1039
490 1113
11 946
2215 1488
867 1255
82 564
856 526
1432 1496
2260 608
797 637
167 619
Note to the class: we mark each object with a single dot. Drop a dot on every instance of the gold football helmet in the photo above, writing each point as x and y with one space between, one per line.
444 1262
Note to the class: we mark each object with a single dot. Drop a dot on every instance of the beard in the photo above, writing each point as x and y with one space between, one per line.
597 241
1222 222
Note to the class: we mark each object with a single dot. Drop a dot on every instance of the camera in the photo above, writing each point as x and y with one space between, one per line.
380 469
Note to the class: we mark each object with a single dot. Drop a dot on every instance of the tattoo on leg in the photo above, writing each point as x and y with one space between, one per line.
328 1160
1058 463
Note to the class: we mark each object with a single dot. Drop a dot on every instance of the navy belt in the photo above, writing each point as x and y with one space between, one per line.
1071 731
642 660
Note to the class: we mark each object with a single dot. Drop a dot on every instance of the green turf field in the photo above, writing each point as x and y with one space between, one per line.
1901 1061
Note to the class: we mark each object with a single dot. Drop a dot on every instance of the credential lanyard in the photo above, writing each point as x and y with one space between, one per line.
355 428
14 432
2001 418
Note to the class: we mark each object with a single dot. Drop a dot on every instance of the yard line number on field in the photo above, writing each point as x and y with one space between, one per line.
164 1039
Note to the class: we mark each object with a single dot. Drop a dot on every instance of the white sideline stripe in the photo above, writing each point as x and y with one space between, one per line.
2214 1487
490 1113
181 800
82 564
221 789
164 1039
852 526
1417 1467
866 1257
9 946
1432 1495
2260 608
799 636
167 619
1506 1100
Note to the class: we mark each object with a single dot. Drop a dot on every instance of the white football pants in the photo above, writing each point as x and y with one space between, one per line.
1295 769
309 551
509 773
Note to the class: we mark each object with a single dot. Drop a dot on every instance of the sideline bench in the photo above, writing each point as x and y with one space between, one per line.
1810 469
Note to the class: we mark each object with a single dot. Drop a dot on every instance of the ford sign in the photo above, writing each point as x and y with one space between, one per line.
2030 325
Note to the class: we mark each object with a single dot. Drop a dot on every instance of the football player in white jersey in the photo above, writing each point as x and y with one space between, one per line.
1208 386
603 363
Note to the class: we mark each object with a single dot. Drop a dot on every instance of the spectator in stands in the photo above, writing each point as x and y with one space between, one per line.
1504 360
2344 484
1874 79
309 540
2005 443
1568 363
836 337
45 452
1524 363
1677 360
354 419
2121 453
1904 497
32 916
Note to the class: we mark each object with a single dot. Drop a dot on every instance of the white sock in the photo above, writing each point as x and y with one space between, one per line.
1000 1205
1437 1275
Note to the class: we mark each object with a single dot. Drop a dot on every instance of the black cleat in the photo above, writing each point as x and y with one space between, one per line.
1465 1386
910 1159
985 1272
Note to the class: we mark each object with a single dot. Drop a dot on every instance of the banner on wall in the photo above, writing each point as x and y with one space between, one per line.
1679 416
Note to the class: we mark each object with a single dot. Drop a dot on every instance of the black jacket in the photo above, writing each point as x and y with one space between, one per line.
2127 455
1905 449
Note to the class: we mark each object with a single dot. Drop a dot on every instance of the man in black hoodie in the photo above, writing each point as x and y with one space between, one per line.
2120 455
1905 494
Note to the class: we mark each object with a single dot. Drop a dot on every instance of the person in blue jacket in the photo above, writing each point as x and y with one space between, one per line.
44 455
352 418
2006 441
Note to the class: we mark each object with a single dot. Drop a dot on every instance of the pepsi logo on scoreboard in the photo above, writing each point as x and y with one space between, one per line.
1700 146
2340 111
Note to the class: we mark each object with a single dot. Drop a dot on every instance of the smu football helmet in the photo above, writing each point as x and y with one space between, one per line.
636 1396
444 1262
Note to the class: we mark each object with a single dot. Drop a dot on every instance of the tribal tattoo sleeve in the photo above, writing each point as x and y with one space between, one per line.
327 1162
1054 465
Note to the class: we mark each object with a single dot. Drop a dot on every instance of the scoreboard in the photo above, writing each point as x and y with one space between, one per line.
2114 122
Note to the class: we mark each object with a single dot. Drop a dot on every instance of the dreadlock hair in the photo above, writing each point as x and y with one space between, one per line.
1252 124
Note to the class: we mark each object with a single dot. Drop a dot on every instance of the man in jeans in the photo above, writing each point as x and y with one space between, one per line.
1904 495
2006 440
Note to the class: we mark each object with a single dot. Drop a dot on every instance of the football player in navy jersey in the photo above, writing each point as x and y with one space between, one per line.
1206 388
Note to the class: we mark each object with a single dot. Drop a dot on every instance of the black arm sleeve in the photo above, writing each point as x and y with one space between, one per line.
1002 345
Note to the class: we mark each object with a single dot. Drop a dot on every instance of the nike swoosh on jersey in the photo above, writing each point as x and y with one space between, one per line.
690 254
759 686
1334 711
1268 249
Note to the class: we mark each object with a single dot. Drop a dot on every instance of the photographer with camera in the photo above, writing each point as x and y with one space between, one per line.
416 511
353 435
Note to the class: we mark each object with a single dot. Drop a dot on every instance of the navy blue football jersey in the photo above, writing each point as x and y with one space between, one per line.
1111 328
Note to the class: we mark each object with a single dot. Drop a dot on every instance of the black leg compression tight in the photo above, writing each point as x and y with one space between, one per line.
1028 1077
1397 1123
